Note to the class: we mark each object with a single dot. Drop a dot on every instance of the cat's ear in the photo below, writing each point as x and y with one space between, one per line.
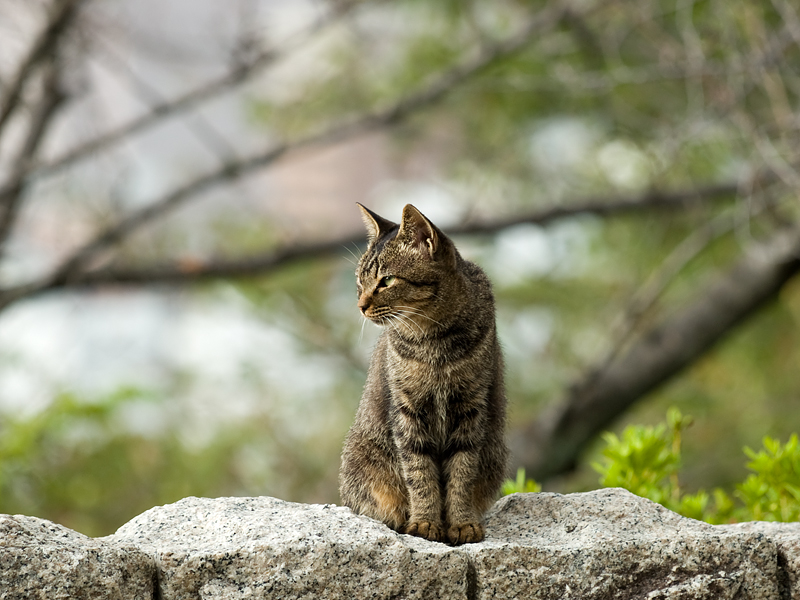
416 228
375 224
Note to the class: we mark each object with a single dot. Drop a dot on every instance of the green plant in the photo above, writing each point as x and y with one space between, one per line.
520 484
646 461
772 492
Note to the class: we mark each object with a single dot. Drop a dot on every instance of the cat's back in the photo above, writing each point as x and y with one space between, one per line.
479 296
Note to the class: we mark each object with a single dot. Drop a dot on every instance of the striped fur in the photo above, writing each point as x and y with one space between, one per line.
426 454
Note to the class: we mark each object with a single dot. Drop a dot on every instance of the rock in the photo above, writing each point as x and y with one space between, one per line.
597 545
42 560
267 548
612 544
786 536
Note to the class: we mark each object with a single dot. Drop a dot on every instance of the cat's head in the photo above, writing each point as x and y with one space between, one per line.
408 275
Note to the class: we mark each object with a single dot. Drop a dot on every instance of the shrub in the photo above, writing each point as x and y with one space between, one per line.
646 461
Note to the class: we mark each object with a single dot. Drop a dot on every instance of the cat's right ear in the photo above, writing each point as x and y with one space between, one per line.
375 224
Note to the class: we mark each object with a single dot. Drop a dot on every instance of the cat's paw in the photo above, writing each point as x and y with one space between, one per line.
425 529
464 533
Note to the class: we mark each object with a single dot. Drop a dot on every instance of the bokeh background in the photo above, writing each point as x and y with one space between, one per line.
178 230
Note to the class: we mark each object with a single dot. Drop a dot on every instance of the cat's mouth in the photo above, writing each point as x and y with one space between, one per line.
399 319
380 316
386 316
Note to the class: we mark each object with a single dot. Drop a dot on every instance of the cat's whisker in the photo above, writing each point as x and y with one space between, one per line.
361 335
392 324
414 310
410 310
405 319
353 254
393 320
417 325
411 326
419 312
408 317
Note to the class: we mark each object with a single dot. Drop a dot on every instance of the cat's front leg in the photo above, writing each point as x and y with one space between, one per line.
425 499
461 467
421 472
462 516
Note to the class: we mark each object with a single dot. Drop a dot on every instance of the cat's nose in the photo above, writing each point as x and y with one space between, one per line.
363 304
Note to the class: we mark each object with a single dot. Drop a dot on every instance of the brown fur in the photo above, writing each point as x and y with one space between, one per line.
426 454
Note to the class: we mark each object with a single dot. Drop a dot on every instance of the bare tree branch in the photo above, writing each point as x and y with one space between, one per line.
203 129
51 98
645 298
436 90
790 17
551 444
59 17
653 199
185 272
241 72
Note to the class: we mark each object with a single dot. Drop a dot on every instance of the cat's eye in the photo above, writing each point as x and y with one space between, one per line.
386 281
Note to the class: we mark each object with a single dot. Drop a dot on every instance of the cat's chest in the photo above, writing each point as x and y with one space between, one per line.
427 388
426 378
434 392
426 391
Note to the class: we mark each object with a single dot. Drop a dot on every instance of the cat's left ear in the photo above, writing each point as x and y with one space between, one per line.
423 234
375 224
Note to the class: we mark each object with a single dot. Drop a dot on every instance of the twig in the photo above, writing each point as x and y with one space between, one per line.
790 18
59 17
652 199
240 73
433 92
43 112
643 300
181 273
203 130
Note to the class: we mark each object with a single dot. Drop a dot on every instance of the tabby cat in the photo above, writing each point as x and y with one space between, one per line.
426 454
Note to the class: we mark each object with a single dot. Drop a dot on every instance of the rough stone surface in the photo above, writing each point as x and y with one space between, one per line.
606 544
603 544
266 548
42 560
786 536
612 544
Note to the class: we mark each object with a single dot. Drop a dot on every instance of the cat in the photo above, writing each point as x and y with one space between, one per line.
426 453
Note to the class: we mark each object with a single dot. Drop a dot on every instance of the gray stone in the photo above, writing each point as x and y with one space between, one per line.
786 537
42 560
597 545
229 548
612 544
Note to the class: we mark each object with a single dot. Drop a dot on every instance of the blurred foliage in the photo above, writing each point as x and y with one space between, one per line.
72 463
772 492
520 485
80 463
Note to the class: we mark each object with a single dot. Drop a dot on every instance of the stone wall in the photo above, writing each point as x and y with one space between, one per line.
597 545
